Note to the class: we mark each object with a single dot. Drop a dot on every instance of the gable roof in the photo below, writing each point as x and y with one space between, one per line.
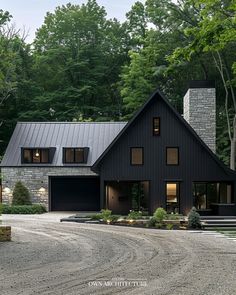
95 135
159 95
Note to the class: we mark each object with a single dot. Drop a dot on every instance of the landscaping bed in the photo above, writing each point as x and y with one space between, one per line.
160 220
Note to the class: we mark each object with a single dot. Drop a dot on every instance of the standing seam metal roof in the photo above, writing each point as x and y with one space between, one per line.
95 135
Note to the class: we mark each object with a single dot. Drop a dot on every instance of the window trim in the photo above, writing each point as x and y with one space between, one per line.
74 162
31 149
153 129
136 147
172 147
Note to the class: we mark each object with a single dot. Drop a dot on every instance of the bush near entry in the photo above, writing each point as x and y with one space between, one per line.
21 195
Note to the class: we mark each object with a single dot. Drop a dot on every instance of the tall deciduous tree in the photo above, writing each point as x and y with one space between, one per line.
215 33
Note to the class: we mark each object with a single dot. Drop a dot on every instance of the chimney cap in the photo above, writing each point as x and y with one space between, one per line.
202 84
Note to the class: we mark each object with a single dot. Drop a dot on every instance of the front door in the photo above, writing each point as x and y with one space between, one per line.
172 197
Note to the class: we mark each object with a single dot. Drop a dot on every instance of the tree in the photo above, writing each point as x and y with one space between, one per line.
215 34
78 54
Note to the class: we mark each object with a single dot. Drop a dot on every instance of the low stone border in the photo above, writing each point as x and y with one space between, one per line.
5 233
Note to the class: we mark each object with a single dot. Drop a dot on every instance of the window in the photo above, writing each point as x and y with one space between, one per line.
172 197
136 156
35 156
208 193
172 156
156 126
74 155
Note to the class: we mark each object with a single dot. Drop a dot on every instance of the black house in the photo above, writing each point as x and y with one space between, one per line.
155 160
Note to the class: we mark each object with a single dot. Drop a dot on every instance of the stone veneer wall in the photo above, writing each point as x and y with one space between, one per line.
36 180
200 113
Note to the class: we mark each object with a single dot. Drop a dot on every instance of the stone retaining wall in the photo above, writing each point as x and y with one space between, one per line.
5 233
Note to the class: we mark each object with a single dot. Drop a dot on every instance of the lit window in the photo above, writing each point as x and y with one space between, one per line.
37 156
172 197
136 156
156 126
172 156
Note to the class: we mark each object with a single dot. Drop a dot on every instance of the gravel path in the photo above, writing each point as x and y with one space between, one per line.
48 257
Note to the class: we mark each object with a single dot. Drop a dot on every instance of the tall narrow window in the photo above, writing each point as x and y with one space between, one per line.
172 197
172 156
136 155
156 126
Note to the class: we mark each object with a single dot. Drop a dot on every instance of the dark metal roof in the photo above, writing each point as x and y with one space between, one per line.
159 95
95 135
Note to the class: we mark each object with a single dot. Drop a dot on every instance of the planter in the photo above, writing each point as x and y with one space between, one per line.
5 233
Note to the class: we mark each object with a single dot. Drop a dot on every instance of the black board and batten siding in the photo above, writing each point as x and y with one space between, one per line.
196 162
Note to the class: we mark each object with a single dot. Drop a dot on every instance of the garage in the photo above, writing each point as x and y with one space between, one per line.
74 193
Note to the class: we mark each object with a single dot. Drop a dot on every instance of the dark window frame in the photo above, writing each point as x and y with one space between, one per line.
172 147
31 155
177 191
153 126
136 147
74 155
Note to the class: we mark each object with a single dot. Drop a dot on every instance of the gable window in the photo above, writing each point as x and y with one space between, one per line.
136 154
172 156
74 155
156 126
35 156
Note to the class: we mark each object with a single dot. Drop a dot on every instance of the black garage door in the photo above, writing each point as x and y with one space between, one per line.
75 193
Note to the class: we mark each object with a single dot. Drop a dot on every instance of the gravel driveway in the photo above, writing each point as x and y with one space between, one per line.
49 257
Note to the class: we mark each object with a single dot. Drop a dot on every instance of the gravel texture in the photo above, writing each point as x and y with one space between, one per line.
49 257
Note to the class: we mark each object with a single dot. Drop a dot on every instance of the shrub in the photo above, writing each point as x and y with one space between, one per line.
97 216
160 214
194 220
24 209
105 214
152 222
21 195
134 215
169 226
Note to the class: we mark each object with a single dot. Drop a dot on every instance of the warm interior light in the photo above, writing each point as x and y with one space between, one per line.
37 153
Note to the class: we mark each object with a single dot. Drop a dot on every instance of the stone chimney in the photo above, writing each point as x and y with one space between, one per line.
200 110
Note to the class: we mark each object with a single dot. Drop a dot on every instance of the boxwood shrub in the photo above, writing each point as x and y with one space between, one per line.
23 209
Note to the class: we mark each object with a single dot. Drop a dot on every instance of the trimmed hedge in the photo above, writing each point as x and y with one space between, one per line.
23 209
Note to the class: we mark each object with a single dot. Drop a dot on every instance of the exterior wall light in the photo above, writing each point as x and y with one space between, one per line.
7 190
42 190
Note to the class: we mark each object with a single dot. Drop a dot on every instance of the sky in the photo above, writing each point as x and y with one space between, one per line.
29 14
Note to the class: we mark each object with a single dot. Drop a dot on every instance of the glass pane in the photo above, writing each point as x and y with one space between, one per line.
79 155
137 156
225 193
172 197
69 155
156 126
172 156
36 156
200 195
27 156
44 156
211 194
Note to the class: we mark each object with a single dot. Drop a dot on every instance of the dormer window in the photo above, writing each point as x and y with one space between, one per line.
156 126
75 155
36 155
